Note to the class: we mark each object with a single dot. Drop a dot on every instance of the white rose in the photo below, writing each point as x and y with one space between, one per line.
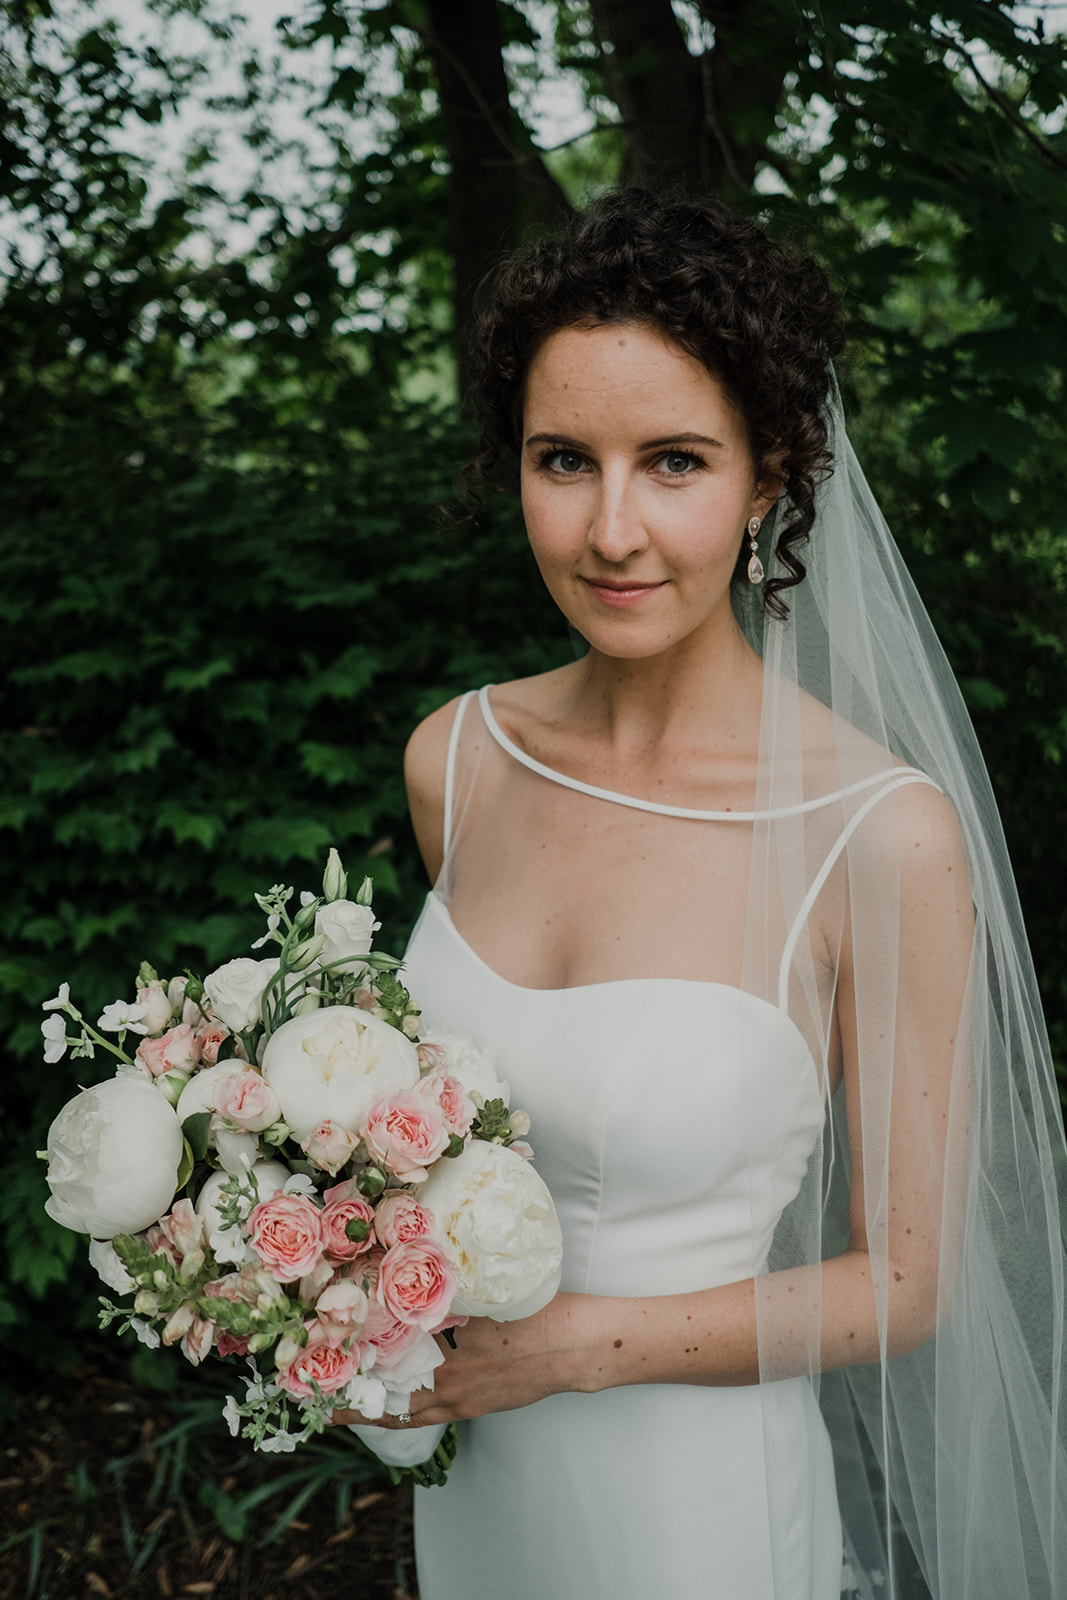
154 1000
228 1245
348 930
113 1156
331 1065
234 991
237 1148
495 1216
474 1069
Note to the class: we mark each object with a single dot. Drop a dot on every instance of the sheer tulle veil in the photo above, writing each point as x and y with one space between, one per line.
949 1451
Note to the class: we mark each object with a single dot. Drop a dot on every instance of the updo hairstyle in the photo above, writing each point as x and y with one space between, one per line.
762 319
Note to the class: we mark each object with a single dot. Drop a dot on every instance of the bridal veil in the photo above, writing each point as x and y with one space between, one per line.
949 1449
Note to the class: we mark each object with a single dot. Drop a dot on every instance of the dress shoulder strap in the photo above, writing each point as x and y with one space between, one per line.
450 764
905 776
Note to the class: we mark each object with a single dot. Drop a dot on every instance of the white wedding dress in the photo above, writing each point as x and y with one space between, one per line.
673 1121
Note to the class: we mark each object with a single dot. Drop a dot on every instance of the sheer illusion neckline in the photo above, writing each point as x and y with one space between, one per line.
612 795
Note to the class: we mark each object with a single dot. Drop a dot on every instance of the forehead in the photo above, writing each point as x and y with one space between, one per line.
621 371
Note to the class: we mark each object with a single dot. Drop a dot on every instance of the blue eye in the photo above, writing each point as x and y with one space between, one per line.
566 461
677 465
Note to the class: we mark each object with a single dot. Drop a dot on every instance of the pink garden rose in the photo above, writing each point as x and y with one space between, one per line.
345 1204
407 1133
330 1366
448 1093
177 1050
249 1101
329 1146
416 1283
398 1218
286 1233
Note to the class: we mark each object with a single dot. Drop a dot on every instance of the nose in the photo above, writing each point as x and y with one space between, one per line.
617 528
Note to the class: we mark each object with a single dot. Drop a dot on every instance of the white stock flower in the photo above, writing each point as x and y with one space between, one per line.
348 930
145 1332
55 1038
495 1216
121 1015
279 1444
228 1245
113 1155
231 1415
61 999
473 1068
366 1395
331 1065
234 991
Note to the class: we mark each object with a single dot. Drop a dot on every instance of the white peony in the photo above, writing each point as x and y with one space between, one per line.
495 1216
228 1245
113 1157
105 1258
331 1065
234 991
475 1070
348 930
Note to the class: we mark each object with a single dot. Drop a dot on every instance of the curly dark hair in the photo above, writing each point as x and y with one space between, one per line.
761 318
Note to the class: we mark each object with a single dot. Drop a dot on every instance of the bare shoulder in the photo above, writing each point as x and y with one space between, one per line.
425 760
427 753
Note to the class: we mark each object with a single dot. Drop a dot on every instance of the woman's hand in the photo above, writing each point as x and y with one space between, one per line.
495 1366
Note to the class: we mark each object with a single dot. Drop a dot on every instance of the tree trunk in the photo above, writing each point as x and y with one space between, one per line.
656 84
499 182
744 72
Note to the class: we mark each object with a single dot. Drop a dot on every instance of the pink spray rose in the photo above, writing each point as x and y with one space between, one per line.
448 1093
286 1233
330 1366
399 1218
341 1310
416 1283
249 1101
177 1050
345 1204
329 1146
210 1037
407 1133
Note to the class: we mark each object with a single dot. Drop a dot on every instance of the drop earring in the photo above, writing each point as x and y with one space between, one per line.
755 565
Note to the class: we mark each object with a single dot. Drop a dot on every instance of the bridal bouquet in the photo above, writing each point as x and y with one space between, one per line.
288 1169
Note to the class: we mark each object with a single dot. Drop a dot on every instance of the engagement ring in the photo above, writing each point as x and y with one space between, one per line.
404 1418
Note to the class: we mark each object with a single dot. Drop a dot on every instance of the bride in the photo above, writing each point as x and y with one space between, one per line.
728 898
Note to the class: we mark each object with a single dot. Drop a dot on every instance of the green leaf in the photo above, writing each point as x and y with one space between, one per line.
195 1130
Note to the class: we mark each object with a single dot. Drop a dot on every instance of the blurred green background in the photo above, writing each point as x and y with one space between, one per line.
234 255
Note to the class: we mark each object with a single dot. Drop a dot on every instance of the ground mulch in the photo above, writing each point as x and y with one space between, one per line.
97 1501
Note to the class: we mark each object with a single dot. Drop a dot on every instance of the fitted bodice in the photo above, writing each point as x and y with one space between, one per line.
672 1120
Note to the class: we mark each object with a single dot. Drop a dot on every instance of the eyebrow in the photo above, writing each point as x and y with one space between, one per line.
648 444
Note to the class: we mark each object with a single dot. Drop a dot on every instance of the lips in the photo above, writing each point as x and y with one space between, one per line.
620 591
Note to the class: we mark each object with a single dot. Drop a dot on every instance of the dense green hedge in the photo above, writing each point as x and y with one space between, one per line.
209 679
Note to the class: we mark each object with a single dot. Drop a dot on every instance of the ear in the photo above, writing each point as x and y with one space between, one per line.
769 485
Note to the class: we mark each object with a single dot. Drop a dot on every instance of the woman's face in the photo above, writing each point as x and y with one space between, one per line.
637 484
